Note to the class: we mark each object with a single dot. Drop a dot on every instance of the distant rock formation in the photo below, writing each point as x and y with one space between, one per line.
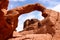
31 24
36 26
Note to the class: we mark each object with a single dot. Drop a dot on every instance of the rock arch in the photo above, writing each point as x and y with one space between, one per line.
15 13
29 8
10 19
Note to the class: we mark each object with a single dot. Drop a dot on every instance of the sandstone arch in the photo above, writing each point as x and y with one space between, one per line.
10 19
24 9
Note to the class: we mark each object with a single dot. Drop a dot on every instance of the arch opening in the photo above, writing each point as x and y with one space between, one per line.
31 15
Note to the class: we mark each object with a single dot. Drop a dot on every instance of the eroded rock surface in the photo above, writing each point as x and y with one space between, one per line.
33 37
4 4
31 24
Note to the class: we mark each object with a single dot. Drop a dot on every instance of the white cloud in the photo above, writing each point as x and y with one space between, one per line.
45 1
56 8
50 3
18 0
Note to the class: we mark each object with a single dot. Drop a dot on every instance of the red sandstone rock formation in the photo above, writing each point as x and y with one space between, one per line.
50 25
4 4
10 18
35 26
33 37
31 24
9 21
52 19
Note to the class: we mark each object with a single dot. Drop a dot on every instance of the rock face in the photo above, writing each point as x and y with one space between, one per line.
33 37
4 4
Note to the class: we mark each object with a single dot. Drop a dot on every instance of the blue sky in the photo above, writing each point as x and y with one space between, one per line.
50 4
